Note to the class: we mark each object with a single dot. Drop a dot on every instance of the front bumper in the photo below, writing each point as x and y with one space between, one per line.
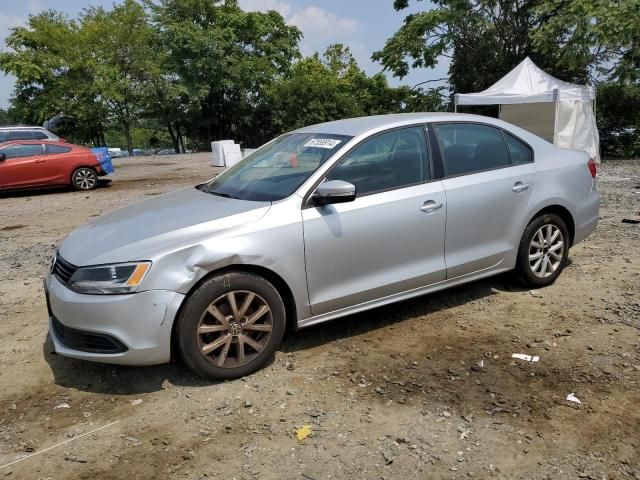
139 324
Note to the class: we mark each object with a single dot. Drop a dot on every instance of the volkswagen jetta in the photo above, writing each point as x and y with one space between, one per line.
322 222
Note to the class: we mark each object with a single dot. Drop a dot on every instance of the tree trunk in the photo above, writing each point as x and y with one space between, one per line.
178 135
182 143
127 134
174 139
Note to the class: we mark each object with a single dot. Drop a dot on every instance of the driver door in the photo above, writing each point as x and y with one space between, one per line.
20 168
390 239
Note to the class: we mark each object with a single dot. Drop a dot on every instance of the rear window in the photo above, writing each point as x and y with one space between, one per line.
52 149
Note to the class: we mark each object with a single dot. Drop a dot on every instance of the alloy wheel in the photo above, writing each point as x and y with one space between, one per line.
234 328
85 179
546 250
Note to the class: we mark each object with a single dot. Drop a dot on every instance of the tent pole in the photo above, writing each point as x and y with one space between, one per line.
555 116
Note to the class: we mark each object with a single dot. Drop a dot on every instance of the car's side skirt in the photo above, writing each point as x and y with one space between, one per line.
398 297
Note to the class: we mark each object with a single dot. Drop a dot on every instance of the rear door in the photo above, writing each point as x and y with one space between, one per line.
390 239
488 184
22 165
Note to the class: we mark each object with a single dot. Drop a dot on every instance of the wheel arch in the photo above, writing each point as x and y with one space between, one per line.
564 214
272 277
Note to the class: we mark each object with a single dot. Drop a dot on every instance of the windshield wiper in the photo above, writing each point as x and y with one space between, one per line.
225 195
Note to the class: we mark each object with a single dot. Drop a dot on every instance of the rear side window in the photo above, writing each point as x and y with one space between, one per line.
19 151
469 148
52 149
520 152
391 160
38 135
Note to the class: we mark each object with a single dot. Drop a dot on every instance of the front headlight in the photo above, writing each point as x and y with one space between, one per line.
109 279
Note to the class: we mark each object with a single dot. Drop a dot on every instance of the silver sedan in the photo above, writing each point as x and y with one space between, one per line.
319 223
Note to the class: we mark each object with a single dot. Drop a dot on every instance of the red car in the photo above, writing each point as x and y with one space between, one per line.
42 163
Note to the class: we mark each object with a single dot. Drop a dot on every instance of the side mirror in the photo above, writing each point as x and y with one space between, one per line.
3 157
334 191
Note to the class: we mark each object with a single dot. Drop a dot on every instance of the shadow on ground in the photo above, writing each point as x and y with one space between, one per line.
115 379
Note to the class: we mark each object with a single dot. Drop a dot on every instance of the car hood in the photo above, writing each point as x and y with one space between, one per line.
141 230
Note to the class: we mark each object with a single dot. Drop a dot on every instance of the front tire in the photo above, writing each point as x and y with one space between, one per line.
84 179
543 251
230 326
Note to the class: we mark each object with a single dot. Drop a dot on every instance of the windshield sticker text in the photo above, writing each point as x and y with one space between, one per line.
323 143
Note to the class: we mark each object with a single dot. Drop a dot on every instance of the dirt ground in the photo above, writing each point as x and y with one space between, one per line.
422 389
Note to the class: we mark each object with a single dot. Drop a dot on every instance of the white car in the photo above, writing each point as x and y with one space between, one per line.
8 134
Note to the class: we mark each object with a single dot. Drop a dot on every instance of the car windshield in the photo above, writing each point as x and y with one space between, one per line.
277 169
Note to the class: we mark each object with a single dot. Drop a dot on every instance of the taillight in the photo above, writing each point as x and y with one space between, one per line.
592 167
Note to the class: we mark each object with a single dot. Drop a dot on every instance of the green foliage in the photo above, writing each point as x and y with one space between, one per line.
484 39
618 115
580 41
225 59
601 33
6 117
334 87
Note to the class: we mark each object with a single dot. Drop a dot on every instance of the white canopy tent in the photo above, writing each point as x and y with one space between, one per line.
557 111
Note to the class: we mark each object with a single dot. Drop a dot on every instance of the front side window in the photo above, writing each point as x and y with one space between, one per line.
469 148
386 161
19 151
277 169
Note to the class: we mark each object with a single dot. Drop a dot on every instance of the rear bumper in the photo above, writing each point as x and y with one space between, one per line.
130 329
586 215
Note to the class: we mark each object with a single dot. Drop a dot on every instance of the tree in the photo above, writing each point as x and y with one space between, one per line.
119 49
225 58
6 118
604 34
334 87
483 38
45 57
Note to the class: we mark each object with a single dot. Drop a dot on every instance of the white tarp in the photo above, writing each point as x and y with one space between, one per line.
537 118
568 118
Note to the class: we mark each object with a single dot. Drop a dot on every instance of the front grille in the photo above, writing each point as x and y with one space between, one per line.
63 270
89 342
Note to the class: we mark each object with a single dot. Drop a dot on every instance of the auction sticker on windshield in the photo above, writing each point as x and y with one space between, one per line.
323 143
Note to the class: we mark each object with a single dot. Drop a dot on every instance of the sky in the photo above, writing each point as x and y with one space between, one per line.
362 25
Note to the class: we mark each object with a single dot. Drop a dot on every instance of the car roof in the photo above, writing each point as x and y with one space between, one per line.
362 125
20 127
47 142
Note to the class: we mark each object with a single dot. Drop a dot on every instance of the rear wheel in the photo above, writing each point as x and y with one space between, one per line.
230 326
84 178
543 252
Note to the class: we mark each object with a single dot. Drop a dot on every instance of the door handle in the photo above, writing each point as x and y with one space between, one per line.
430 206
519 187
39 161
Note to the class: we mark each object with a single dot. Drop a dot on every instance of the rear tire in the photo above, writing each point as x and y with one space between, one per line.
230 326
84 179
543 251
